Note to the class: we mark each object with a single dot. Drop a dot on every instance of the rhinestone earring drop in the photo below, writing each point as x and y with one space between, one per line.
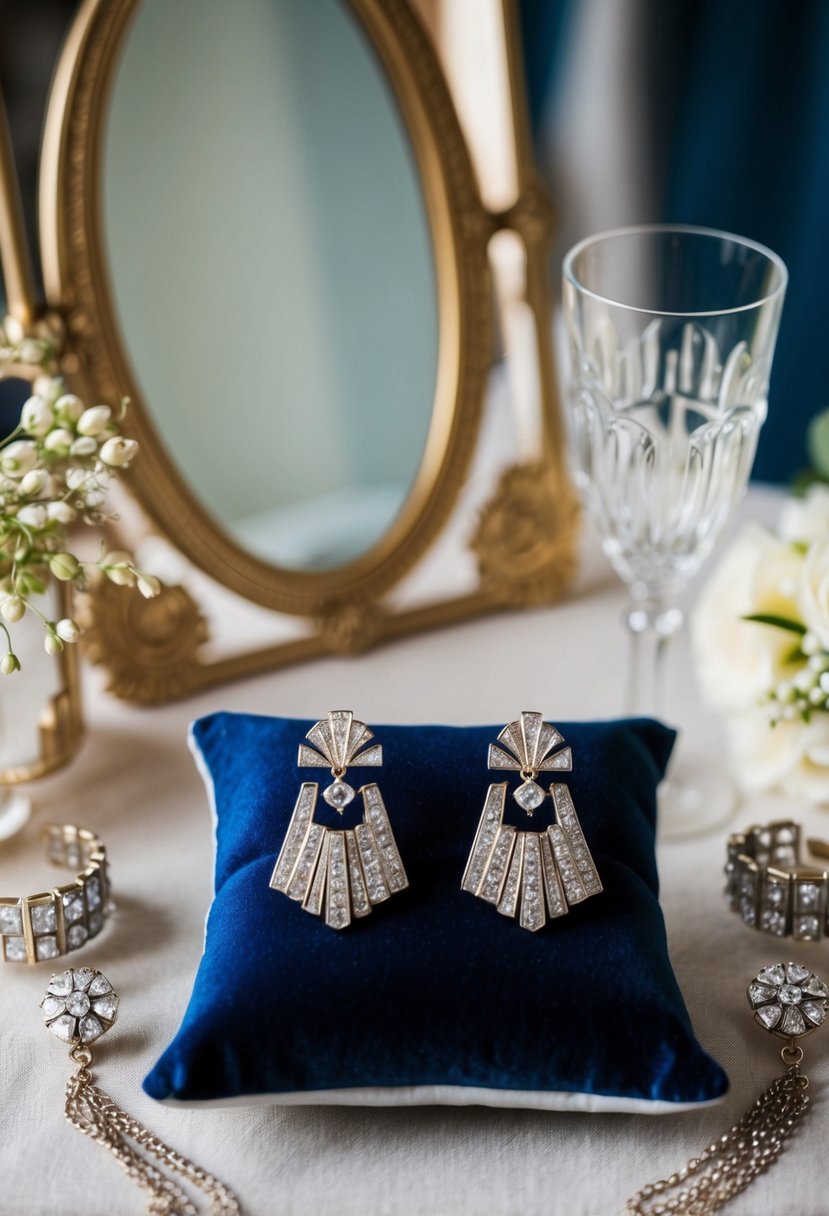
539 873
342 874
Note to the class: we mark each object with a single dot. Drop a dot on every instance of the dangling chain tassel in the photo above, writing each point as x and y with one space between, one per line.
732 1163
95 1114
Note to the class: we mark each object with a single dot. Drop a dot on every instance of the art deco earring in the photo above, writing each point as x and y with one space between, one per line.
789 1001
80 1006
550 869
343 873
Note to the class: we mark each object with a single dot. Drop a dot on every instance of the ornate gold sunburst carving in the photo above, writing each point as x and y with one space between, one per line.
150 648
526 540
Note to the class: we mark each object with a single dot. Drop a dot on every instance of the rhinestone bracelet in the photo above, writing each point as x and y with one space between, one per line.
44 926
771 889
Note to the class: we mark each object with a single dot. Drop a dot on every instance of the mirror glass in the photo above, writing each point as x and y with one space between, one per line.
272 269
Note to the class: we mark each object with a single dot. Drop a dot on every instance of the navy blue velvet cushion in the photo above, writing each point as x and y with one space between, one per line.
434 988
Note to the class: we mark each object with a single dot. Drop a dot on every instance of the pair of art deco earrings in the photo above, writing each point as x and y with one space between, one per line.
528 874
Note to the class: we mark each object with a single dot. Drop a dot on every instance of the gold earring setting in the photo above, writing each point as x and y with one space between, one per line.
342 874
535 874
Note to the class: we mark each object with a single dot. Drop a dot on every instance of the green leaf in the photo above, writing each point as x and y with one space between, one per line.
817 442
795 655
779 622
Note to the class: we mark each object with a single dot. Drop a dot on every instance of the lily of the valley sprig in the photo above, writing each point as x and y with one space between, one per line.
55 470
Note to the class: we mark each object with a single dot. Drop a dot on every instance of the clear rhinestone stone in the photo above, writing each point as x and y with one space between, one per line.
770 1015
61 984
795 973
52 1006
338 794
529 796
93 892
77 1003
99 985
773 922
814 1012
808 895
815 987
793 1022
759 993
72 907
64 1027
44 918
15 949
775 975
10 919
82 977
96 923
76 935
90 1028
46 947
775 895
790 994
807 928
106 1006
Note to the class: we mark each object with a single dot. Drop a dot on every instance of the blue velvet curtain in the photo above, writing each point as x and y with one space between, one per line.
738 127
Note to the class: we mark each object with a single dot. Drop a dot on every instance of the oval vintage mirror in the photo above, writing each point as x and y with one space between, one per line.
272 272
262 223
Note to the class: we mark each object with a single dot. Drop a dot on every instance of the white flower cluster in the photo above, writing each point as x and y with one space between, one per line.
55 469
760 633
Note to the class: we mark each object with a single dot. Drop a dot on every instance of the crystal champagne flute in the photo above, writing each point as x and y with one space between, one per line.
671 334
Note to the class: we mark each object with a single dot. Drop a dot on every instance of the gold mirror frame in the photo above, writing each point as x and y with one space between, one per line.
525 539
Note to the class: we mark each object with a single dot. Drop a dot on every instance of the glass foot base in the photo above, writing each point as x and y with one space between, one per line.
15 810
694 799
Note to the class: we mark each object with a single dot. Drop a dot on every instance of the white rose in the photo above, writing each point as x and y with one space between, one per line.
814 591
792 756
762 756
738 661
806 519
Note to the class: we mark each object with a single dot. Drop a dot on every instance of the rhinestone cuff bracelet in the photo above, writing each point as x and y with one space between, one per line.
771 889
40 927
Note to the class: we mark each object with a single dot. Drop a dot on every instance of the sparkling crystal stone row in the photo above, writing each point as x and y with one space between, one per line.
768 887
339 874
79 1005
534 875
788 999
45 926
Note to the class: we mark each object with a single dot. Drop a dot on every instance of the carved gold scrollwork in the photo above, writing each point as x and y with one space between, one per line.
526 540
150 648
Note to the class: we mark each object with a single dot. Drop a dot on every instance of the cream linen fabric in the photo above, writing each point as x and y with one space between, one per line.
135 783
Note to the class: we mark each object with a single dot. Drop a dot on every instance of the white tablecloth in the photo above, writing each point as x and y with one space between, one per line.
135 783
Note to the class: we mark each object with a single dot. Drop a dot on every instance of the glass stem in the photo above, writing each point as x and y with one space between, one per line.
652 622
